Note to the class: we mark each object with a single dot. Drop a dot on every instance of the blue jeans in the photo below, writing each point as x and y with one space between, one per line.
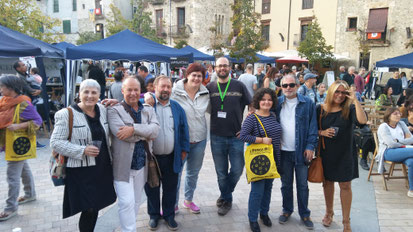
226 149
260 198
301 174
404 155
193 161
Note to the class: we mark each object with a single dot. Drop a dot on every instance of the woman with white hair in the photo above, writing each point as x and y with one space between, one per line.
89 177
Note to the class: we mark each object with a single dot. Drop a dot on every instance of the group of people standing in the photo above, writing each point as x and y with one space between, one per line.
110 144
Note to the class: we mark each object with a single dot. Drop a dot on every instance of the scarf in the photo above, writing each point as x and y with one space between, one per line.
7 107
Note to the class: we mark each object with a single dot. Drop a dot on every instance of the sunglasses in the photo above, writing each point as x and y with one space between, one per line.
291 85
342 92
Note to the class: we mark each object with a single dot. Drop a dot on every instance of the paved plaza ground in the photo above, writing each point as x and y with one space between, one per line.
373 208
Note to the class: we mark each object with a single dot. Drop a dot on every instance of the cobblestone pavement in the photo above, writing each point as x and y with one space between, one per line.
393 211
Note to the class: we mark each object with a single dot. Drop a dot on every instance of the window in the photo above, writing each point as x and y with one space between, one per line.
351 24
222 25
181 18
377 24
74 5
364 60
266 32
266 6
66 27
55 6
159 21
83 6
308 4
304 30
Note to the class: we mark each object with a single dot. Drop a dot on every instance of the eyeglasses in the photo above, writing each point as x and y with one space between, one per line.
223 66
341 92
291 85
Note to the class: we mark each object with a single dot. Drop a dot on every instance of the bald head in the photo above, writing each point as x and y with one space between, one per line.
131 90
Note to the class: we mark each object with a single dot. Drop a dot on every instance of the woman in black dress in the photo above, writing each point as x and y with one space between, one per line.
338 116
89 176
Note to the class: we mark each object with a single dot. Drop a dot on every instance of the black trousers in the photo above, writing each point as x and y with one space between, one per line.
169 183
87 220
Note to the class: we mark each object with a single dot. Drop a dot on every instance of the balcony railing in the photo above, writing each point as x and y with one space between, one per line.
157 2
180 31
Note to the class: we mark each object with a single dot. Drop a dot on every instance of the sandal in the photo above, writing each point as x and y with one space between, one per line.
346 226
24 200
7 215
328 219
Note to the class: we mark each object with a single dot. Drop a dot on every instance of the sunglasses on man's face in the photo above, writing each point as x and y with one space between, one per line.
291 85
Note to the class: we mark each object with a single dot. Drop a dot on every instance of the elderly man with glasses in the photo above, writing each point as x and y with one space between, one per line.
297 116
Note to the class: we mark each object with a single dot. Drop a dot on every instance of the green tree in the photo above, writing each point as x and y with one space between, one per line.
140 23
246 36
87 37
180 44
25 16
314 46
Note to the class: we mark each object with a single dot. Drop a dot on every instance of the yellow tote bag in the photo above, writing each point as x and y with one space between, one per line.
259 160
19 145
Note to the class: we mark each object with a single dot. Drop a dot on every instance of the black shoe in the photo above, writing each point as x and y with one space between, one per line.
284 218
153 224
266 220
255 227
220 201
172 225
308 223
364 165
225 208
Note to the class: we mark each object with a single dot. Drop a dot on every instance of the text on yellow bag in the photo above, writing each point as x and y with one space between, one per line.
19 145
259 160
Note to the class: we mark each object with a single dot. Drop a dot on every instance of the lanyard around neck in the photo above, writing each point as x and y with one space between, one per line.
222 96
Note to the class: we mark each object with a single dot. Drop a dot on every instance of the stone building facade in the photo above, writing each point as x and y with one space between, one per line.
286 22
364 14
190 20
79 16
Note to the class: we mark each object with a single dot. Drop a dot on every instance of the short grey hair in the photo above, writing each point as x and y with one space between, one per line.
89 83
342 67
352 68
288 76
131 77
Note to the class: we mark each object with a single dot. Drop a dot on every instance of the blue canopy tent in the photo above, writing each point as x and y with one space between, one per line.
9 47
403 61
197 54
16 44
63 46
262 59
125 45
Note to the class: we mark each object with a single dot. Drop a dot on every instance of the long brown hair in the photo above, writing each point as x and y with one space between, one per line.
328 103
271 73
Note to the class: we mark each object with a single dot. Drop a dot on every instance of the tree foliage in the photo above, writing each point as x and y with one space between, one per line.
246 37
87 37
140 23
26 17
180 44
314 46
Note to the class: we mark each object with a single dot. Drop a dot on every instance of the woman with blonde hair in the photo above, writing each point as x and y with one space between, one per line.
337 117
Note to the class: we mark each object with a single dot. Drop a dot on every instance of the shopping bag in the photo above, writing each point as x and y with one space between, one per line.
259 161
19 144
57 163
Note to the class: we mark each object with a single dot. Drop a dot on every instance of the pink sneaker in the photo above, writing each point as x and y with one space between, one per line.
194 208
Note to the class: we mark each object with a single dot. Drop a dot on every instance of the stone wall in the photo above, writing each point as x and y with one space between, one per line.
399 17
199 17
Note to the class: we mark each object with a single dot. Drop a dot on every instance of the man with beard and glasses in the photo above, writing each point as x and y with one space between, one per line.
170 149
228 98
297 116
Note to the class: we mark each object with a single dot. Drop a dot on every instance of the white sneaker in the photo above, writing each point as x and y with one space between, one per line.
410 193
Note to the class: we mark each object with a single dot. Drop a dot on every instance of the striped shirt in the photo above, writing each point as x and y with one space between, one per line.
251 129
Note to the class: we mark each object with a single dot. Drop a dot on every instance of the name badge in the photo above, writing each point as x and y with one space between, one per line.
222 114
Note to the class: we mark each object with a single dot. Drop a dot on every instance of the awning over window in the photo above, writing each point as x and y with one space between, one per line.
377 20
